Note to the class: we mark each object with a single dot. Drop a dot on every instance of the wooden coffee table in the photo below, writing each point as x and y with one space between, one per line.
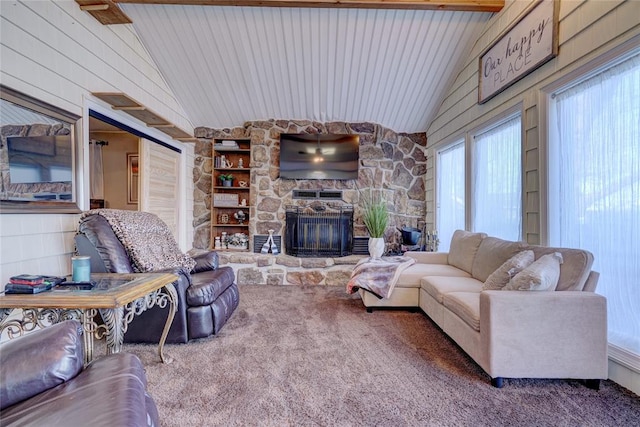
118 298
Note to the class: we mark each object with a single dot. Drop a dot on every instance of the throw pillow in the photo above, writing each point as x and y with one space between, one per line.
514 265
463 248
542 275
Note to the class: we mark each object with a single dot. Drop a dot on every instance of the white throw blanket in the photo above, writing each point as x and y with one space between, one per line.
378 276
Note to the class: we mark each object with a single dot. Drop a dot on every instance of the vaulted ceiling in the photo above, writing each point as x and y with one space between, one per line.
227 65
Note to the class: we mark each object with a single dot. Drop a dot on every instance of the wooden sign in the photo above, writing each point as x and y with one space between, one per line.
530 42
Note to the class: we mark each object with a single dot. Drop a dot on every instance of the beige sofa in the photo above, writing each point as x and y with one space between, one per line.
560 333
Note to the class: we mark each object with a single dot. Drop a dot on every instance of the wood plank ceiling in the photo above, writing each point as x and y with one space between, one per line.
229 65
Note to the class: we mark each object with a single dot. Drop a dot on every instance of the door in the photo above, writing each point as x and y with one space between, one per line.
160 183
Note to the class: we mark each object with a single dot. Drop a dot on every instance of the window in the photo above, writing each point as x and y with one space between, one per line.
594 186
450 192
497 184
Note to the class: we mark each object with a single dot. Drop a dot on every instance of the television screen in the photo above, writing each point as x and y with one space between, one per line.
319 156
39 159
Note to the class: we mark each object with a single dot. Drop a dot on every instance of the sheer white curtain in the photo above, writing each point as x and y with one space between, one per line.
450 193
497 184
96 169
594 187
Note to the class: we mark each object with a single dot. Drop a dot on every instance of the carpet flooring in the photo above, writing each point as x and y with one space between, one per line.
312 356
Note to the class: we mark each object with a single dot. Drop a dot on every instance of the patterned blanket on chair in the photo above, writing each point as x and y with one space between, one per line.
147 240
378 276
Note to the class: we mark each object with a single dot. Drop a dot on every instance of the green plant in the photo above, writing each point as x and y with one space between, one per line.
226 177
375 217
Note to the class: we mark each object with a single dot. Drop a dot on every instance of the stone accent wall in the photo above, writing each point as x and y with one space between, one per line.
392 166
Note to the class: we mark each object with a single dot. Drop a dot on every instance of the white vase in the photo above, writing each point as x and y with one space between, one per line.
376 247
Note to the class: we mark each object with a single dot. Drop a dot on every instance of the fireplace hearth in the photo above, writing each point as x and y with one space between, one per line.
319 230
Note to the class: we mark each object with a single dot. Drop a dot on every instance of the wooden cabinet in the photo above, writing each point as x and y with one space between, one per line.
230 198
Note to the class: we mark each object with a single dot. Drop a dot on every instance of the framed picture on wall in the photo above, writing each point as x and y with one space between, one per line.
132 178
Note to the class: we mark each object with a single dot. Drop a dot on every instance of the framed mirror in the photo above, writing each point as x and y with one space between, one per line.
38 153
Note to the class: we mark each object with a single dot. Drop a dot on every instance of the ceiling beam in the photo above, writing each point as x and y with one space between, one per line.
457 5
105 11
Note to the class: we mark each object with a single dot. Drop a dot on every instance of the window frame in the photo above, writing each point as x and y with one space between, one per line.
485 126
582 73
437 149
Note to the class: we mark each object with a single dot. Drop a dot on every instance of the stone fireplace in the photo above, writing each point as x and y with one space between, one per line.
319 230
392 166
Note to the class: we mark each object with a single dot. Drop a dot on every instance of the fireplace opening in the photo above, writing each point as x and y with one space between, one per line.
319 230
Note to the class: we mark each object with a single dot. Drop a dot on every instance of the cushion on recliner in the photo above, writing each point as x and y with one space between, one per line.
463 249
98 231
40 361
146 238
207 286
205 262
110 391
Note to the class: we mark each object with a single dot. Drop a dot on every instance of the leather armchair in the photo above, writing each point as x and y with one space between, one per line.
207 295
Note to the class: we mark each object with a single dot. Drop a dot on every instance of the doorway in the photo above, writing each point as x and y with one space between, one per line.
114 166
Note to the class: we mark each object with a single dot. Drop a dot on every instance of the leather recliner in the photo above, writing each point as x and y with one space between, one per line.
45 383
207 295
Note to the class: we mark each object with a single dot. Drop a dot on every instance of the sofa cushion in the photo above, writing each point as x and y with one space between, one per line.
465 305
542 275
514 265
463 249
410 277
438 286
574 270
492 253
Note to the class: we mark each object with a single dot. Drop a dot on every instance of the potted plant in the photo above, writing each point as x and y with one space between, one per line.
376 218
226 179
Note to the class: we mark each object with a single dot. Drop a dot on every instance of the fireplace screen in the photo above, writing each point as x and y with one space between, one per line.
322 230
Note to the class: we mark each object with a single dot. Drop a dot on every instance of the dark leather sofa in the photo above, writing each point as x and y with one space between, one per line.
207 295
44 383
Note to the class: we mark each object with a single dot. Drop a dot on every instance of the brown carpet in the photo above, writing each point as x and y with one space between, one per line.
312 356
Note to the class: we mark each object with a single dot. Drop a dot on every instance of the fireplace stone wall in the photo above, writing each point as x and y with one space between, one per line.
392 166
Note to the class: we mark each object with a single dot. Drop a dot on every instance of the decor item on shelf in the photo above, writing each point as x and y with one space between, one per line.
224 218
376 218
240 216
243 202
225 200
240 163
218 243
223 239
226 179
243 183
238 241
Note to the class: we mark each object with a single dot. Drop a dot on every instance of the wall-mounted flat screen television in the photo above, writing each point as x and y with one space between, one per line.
319 156
39 159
